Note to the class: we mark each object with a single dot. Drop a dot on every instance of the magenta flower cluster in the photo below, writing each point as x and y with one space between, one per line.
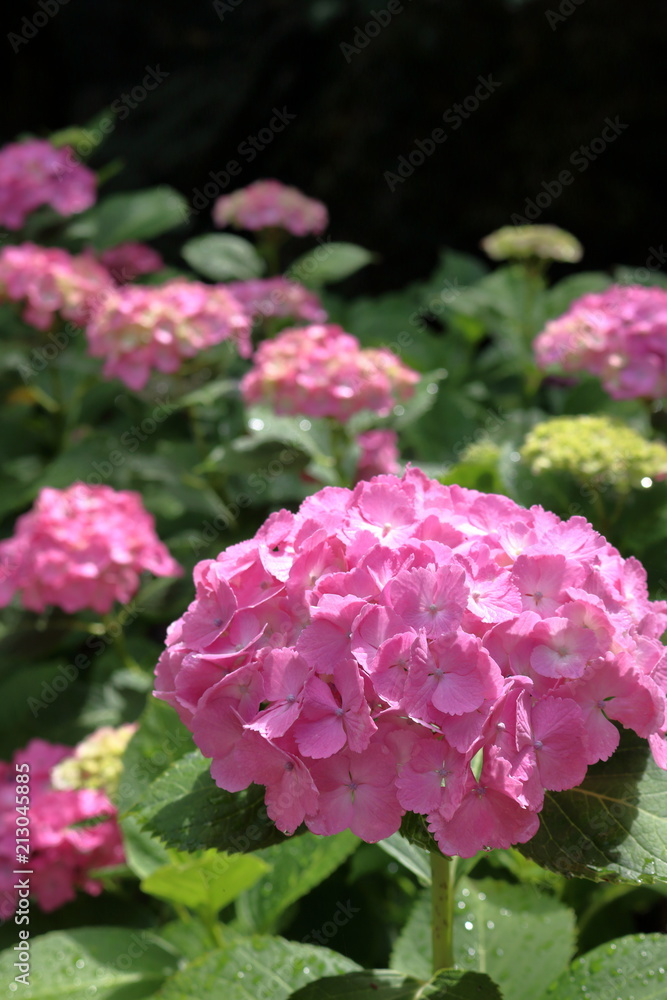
269 203
379 453
62 854
35 173
138 329
268 297
82 547
620 335
408 646
52 282
321 371
127 261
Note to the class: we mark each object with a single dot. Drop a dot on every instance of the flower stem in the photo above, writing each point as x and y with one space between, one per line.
442 920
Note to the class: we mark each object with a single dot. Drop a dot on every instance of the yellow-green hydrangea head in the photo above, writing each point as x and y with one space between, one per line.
594 449
543 242
97 762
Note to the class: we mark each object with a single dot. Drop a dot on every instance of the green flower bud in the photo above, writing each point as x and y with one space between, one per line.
544 242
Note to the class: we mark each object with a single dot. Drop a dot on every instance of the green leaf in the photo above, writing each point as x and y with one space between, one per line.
633 966
330 262
561 296
209 881
612 827
498 929
118 963
160 739
382 984
143 852
450 984
378 983
223 257
256 968
297 866
414 858
208 394
186 809
133 215
415 830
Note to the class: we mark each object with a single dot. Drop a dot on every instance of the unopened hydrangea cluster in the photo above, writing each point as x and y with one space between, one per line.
269 203
82 547
619 335
267 297
35 173
52 282
139 329
321 371
362 657
62 854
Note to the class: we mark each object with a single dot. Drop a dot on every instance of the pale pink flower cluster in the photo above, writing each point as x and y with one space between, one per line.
267 297
83 547
128 260
321 371
140 328
62 854
34 173
620 335
52 282
357 657
270 203
379 453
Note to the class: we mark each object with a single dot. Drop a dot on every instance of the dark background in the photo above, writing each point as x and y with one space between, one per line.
355 116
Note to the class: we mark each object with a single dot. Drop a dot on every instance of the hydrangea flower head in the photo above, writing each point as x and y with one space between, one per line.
97 762
357 656
543 242
379 453
270 203
52 282
34 173
62 853
139 329
594 449
321 371
619 335
83 547
267 297
127 261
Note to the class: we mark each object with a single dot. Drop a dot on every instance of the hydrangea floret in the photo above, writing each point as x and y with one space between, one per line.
357 657
52 282
82 547
521 242
594 448
139 329
62 853
35 173
619 335
322 371
269 203
268 297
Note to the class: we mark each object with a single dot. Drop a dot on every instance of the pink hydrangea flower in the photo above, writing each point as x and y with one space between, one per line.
267 297
321 371
139 329
620 335
355 657
379 453
83 547
128 260
51 282
270 203
62 854
34 173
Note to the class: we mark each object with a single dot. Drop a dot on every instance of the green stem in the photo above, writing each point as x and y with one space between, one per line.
442 920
